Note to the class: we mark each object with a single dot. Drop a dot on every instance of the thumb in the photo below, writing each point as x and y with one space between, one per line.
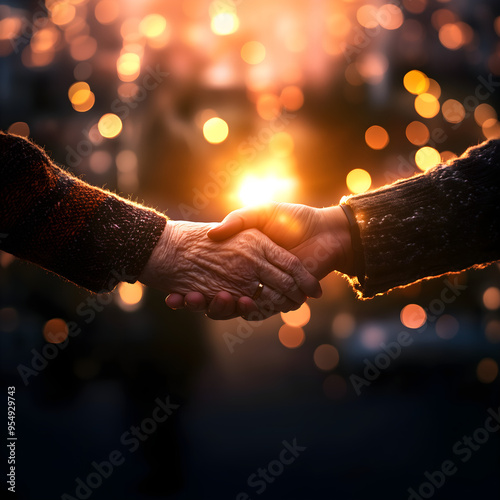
237 221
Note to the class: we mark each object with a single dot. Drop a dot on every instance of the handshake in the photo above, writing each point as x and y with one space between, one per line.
259 261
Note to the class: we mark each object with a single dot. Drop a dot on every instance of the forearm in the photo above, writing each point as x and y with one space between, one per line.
445 220
87 235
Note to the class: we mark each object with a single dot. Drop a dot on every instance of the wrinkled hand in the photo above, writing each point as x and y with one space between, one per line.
319 237
186 260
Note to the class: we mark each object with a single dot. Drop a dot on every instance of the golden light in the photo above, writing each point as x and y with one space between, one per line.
491 129
110 125
215 130
487 370
297 318
76 87
427 157
83 47
129 295
55 331
153 25
225 23
453 111
484 112
291 336
376 137
417 133
326 357
358 181
491 298
19 128
426 105
413 316
281 144
83 101
416 82
259 190
128 66
107 11
253 52
292 98
390 16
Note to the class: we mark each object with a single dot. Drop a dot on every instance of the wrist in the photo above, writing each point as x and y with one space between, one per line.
337 225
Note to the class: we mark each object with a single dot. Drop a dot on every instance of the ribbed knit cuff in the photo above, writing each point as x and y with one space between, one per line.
445 220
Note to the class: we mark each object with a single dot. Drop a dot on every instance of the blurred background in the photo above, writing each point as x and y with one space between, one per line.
197 108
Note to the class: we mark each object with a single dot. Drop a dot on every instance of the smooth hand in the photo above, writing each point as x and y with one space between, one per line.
319 237
186 260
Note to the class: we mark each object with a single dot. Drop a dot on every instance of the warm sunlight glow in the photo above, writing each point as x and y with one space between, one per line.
215 130
259 190
358 181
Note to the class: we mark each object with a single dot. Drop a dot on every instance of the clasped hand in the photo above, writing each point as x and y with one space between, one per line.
216 268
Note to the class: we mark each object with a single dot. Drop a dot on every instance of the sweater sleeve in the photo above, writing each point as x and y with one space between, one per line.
87 235
445 220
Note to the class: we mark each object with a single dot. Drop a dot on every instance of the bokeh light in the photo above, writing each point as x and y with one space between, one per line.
417 133
483 113
297 318
291 336
453 111
447 326
390 16
128 67
215 130
129 295
376 137
19 128
492 331
292 98
107 11
416 82
487 370
343 325
153 25
253 52
372 337
426 105
110 125
427 157
358 181
225 23
55 331
491 298
326 357
281 144
413 316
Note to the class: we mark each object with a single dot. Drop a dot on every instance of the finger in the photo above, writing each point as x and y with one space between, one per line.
239 220
195 301
246 306
175 301
291 265
223 306
270 303
274 278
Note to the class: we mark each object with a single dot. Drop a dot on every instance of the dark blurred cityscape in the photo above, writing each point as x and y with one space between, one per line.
199 107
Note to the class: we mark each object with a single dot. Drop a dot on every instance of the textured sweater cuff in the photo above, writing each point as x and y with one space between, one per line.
445 220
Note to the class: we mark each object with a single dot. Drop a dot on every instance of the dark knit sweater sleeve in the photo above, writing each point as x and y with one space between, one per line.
445 220
85 234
